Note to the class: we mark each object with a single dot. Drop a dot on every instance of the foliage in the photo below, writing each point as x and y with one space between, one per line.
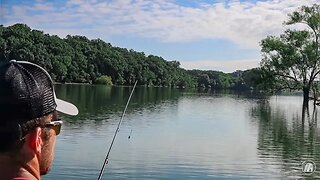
107 80
259 79
218 80
78 59
293 58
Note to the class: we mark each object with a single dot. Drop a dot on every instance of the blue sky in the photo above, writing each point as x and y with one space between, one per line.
200 34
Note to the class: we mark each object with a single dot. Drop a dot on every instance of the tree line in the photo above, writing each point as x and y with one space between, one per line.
80 60
76 59
289 61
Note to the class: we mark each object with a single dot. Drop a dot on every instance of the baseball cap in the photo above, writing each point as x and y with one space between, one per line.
27 92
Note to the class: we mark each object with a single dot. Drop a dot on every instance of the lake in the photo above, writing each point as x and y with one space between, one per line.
177 134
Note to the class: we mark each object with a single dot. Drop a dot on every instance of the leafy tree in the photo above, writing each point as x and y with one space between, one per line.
257 79
224 81
78 59
107 80
204 80
293 58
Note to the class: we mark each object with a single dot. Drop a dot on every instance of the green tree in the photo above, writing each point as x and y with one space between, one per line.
107 80
204 80
78 59
293 58
258 79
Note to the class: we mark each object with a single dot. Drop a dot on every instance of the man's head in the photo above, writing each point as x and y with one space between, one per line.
28 113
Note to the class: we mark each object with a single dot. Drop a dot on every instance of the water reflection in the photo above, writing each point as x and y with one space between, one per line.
288 134
100 102
179 135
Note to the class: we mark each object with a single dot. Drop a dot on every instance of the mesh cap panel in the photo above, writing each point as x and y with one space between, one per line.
26 92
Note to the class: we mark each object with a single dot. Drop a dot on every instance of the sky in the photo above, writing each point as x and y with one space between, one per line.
200 34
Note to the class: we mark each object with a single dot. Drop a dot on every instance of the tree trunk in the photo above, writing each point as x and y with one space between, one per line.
305 113
306 91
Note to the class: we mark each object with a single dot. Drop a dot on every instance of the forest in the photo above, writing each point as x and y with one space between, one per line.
77 59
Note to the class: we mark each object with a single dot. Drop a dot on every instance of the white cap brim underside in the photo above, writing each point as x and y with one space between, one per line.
66 107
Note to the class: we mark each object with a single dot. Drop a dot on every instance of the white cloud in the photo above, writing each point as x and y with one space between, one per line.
225 66
244 23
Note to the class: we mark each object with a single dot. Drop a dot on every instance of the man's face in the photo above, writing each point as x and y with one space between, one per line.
47 151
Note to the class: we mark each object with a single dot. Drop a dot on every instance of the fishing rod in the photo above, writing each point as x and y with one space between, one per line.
115 133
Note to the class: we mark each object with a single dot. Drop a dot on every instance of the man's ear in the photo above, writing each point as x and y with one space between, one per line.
35 141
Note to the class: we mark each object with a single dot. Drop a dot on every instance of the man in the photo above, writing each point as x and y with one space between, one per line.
29 121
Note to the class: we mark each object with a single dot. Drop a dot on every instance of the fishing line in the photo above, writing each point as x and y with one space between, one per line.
115 133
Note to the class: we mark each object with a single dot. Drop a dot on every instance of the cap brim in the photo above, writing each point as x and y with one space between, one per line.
66 107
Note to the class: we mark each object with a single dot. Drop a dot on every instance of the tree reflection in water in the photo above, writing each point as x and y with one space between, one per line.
287 137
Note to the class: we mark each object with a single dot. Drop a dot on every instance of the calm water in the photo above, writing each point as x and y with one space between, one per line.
184 135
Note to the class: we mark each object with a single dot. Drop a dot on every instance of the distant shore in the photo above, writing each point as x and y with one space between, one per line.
73 83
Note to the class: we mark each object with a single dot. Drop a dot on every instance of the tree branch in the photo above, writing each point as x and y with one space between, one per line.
286 76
